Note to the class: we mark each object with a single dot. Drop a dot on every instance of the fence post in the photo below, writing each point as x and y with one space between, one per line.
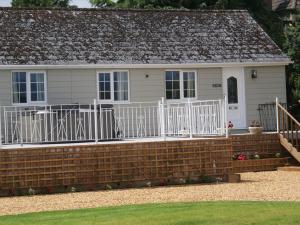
163 119
96 120
277 115
225 116
190 117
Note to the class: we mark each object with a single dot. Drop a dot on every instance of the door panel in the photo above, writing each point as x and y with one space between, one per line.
234 88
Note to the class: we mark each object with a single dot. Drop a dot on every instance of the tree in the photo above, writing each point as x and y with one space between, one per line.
40 3
102 3
292 47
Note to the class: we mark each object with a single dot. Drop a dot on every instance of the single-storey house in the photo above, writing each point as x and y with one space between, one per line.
68 56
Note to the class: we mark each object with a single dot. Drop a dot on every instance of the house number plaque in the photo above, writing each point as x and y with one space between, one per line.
217 85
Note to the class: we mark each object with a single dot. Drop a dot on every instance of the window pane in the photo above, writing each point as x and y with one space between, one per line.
33 77
101 86
116 86
37 87
186 94
22 77
34 96
33 87
120 86
176 94
41 96
176 84
124 86
172 84
22 87
104 86
169 85
101 95
169 94
40 78
176 75
16 97
124 76
232 90
189 83
101 77
15 77
192 93
107 86
41 87
23 98
169 75
107 95
19 88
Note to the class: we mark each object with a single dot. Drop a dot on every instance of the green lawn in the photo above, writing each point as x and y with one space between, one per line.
180 213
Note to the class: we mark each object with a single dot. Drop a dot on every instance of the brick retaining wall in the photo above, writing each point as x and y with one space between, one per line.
114 163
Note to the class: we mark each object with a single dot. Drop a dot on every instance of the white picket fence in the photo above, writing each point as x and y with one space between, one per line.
97 122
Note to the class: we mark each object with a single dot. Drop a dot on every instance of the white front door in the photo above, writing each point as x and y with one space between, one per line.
234 89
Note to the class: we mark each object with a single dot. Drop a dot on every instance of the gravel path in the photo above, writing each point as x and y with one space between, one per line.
265 186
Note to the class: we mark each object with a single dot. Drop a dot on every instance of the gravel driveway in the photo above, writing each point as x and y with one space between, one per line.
265 186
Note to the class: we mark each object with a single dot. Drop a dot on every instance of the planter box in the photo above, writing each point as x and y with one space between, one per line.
256 165
255 130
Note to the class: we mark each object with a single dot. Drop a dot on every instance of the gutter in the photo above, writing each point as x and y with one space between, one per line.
146 66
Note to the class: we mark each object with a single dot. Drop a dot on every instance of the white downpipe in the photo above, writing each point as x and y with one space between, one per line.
277 115
96 120
225 116
163 123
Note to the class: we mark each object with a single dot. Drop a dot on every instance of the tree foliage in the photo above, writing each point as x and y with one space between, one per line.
103 3
40 3
292 47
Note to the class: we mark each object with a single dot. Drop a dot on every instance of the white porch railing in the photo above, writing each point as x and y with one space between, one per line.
196 118
96 122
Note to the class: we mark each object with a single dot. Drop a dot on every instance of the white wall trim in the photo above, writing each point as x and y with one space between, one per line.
144 66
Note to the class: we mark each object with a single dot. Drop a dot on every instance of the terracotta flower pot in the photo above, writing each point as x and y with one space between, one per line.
255 130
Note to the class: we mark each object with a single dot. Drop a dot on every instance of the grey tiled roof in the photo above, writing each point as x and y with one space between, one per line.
113 36
285 4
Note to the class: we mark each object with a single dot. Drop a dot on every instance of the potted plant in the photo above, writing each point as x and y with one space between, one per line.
255 127
230 126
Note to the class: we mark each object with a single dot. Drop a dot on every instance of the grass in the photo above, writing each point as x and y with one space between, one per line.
215 213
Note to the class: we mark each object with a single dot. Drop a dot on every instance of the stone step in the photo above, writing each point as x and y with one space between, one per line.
289 168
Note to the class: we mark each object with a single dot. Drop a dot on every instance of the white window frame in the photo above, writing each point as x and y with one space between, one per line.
112 90
28 88
181 86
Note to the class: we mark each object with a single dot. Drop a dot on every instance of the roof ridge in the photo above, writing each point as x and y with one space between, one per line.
122 9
